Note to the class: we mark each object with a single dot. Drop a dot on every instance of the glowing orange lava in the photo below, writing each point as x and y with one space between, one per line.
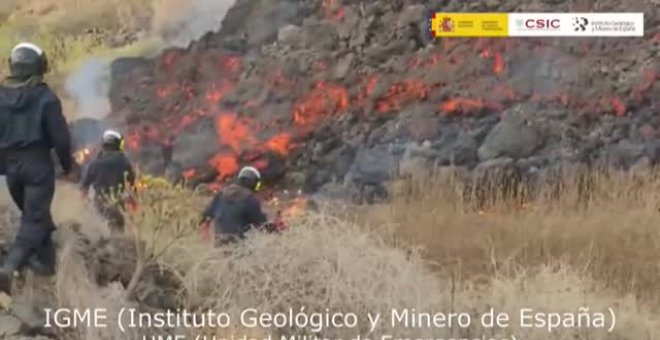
225 164
325 99
280 144
401 93
233 132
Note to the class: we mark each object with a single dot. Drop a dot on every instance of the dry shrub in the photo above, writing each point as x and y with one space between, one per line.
165 216
319 263
76 289
68 206
75 286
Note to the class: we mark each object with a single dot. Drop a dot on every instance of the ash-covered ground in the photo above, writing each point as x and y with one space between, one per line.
336 96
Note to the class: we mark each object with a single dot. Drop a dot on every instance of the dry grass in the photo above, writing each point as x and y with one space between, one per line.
72 30
77 16
604 225
7 7
325 262
553 256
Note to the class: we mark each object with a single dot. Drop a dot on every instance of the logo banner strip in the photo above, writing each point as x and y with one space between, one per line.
537 24
576 24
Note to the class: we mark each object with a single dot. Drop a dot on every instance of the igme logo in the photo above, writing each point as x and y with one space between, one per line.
580 24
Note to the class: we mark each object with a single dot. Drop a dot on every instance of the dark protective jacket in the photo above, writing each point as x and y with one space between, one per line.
108 173
234 210
31 124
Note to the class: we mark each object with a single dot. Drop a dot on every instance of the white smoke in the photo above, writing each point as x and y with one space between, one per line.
178 22
89 86
182 21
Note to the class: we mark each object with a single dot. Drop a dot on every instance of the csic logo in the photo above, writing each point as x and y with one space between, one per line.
447 25
580 24
551 24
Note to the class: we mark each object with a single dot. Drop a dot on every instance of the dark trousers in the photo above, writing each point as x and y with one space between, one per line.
31 184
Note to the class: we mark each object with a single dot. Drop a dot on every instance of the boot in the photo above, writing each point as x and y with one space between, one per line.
42 262
40 268
6 278
13 263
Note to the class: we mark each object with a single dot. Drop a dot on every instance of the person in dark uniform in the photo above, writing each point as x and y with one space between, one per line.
110 173
235 209
31 125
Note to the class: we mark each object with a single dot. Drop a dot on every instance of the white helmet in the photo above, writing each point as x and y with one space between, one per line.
251 177
113 137
27 60
249 172
30 46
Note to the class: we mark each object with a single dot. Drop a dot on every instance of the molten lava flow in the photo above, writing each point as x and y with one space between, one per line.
650 78
401 93
618 106
498 60
476 71
280 144
169 58
325 99
233 132
418 62
278 79
498 63
190 173
218 91
467 105
225 164
371 85
231 65
165 91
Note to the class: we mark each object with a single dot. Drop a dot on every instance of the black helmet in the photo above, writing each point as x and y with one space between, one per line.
250 178
27 60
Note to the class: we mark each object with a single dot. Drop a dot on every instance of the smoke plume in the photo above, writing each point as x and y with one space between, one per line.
89 86
180 22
